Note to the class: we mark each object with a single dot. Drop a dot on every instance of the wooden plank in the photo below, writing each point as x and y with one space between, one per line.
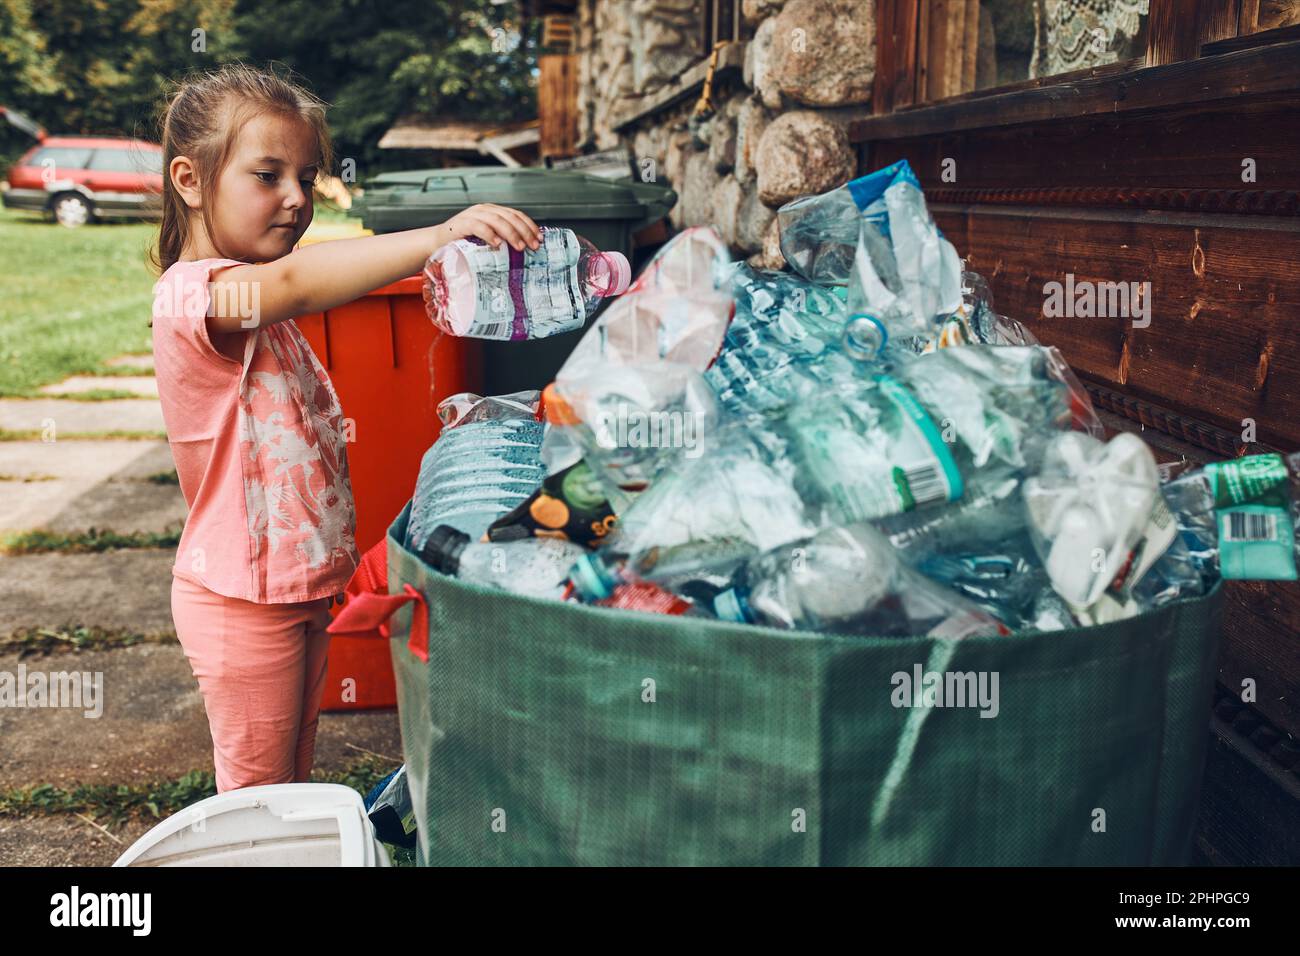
557 104
1271 69
1246 41
922 51
1172 31
970 45
1248 17
1199 146
1217 21
1222 344
895 82
944 56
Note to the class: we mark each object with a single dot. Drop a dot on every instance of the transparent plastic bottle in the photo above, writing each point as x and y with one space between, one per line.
486 460
784 343
538 567
472 289
847 580
1240 519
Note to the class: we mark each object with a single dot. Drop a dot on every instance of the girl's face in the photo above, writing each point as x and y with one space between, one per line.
264 197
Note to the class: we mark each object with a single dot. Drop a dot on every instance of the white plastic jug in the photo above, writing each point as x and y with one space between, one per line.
287 824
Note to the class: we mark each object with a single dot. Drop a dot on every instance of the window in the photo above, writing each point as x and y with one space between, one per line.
126 160
62 157
978 44
721 23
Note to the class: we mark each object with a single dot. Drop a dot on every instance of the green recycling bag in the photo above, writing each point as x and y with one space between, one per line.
541 733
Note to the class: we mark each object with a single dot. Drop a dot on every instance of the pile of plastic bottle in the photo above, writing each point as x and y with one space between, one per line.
859 446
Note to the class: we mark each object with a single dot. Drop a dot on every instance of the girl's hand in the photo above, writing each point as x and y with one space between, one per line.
494 224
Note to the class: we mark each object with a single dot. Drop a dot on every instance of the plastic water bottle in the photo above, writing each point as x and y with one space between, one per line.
784 343
902 442
538 567
472 289
847 580
485 462
1240 519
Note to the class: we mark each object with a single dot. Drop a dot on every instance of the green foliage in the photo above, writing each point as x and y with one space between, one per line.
101 66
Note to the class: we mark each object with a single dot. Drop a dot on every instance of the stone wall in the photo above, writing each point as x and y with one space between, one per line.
778 131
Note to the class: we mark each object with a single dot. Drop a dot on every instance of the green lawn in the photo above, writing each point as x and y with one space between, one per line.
71 298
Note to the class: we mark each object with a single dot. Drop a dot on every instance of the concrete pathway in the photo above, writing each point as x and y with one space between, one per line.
153 726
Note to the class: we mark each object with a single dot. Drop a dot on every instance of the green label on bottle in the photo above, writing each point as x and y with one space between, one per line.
1252 507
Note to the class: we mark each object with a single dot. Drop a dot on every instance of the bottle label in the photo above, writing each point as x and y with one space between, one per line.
529 293
570 505
920 469
1252 508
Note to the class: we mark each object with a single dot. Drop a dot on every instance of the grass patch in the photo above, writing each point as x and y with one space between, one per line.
90 395
27 478
70 298
29 641
83 542
36 434
164 478
111 805
124 371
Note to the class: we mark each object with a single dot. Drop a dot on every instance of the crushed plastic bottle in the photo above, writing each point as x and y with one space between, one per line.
1240 519
1098 522
635 398
784 344
920 437
538 567
906 277
472 289
700 521
487 459
847 580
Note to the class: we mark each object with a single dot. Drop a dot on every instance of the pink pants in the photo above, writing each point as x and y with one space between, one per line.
261 670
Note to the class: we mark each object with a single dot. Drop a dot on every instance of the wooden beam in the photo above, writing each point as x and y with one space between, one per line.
1270 69
895 82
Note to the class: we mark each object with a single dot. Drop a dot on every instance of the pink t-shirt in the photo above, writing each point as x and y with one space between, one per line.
260 450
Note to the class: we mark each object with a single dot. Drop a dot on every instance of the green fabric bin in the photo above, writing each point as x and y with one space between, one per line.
529 739
606 211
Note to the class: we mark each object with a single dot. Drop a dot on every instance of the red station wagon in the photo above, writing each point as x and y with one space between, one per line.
77 179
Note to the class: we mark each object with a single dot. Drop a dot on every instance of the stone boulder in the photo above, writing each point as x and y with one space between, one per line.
801 153
823 52
751 120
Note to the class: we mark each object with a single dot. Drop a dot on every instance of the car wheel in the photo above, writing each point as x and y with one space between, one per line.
71 210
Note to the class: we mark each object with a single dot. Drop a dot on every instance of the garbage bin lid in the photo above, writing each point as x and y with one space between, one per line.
541 193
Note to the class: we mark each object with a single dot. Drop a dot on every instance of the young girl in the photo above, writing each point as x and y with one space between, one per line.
254 424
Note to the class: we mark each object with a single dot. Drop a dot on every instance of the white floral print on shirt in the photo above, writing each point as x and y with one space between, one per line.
296 485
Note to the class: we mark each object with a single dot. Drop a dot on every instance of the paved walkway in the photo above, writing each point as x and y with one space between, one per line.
152 726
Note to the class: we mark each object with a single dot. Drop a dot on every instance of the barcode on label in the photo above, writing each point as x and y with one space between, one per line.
926 483
1250 527
492 330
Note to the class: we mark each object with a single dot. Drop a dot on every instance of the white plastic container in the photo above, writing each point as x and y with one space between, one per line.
288 824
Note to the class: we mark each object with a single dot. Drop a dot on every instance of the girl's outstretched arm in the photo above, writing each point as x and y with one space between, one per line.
328 274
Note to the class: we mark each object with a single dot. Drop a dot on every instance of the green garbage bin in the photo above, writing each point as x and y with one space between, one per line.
605 211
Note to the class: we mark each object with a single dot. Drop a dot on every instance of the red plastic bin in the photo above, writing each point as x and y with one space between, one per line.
379 352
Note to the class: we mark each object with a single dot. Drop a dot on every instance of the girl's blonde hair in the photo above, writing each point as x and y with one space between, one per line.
200 118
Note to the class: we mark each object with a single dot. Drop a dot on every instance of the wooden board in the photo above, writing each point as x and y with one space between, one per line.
557 103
